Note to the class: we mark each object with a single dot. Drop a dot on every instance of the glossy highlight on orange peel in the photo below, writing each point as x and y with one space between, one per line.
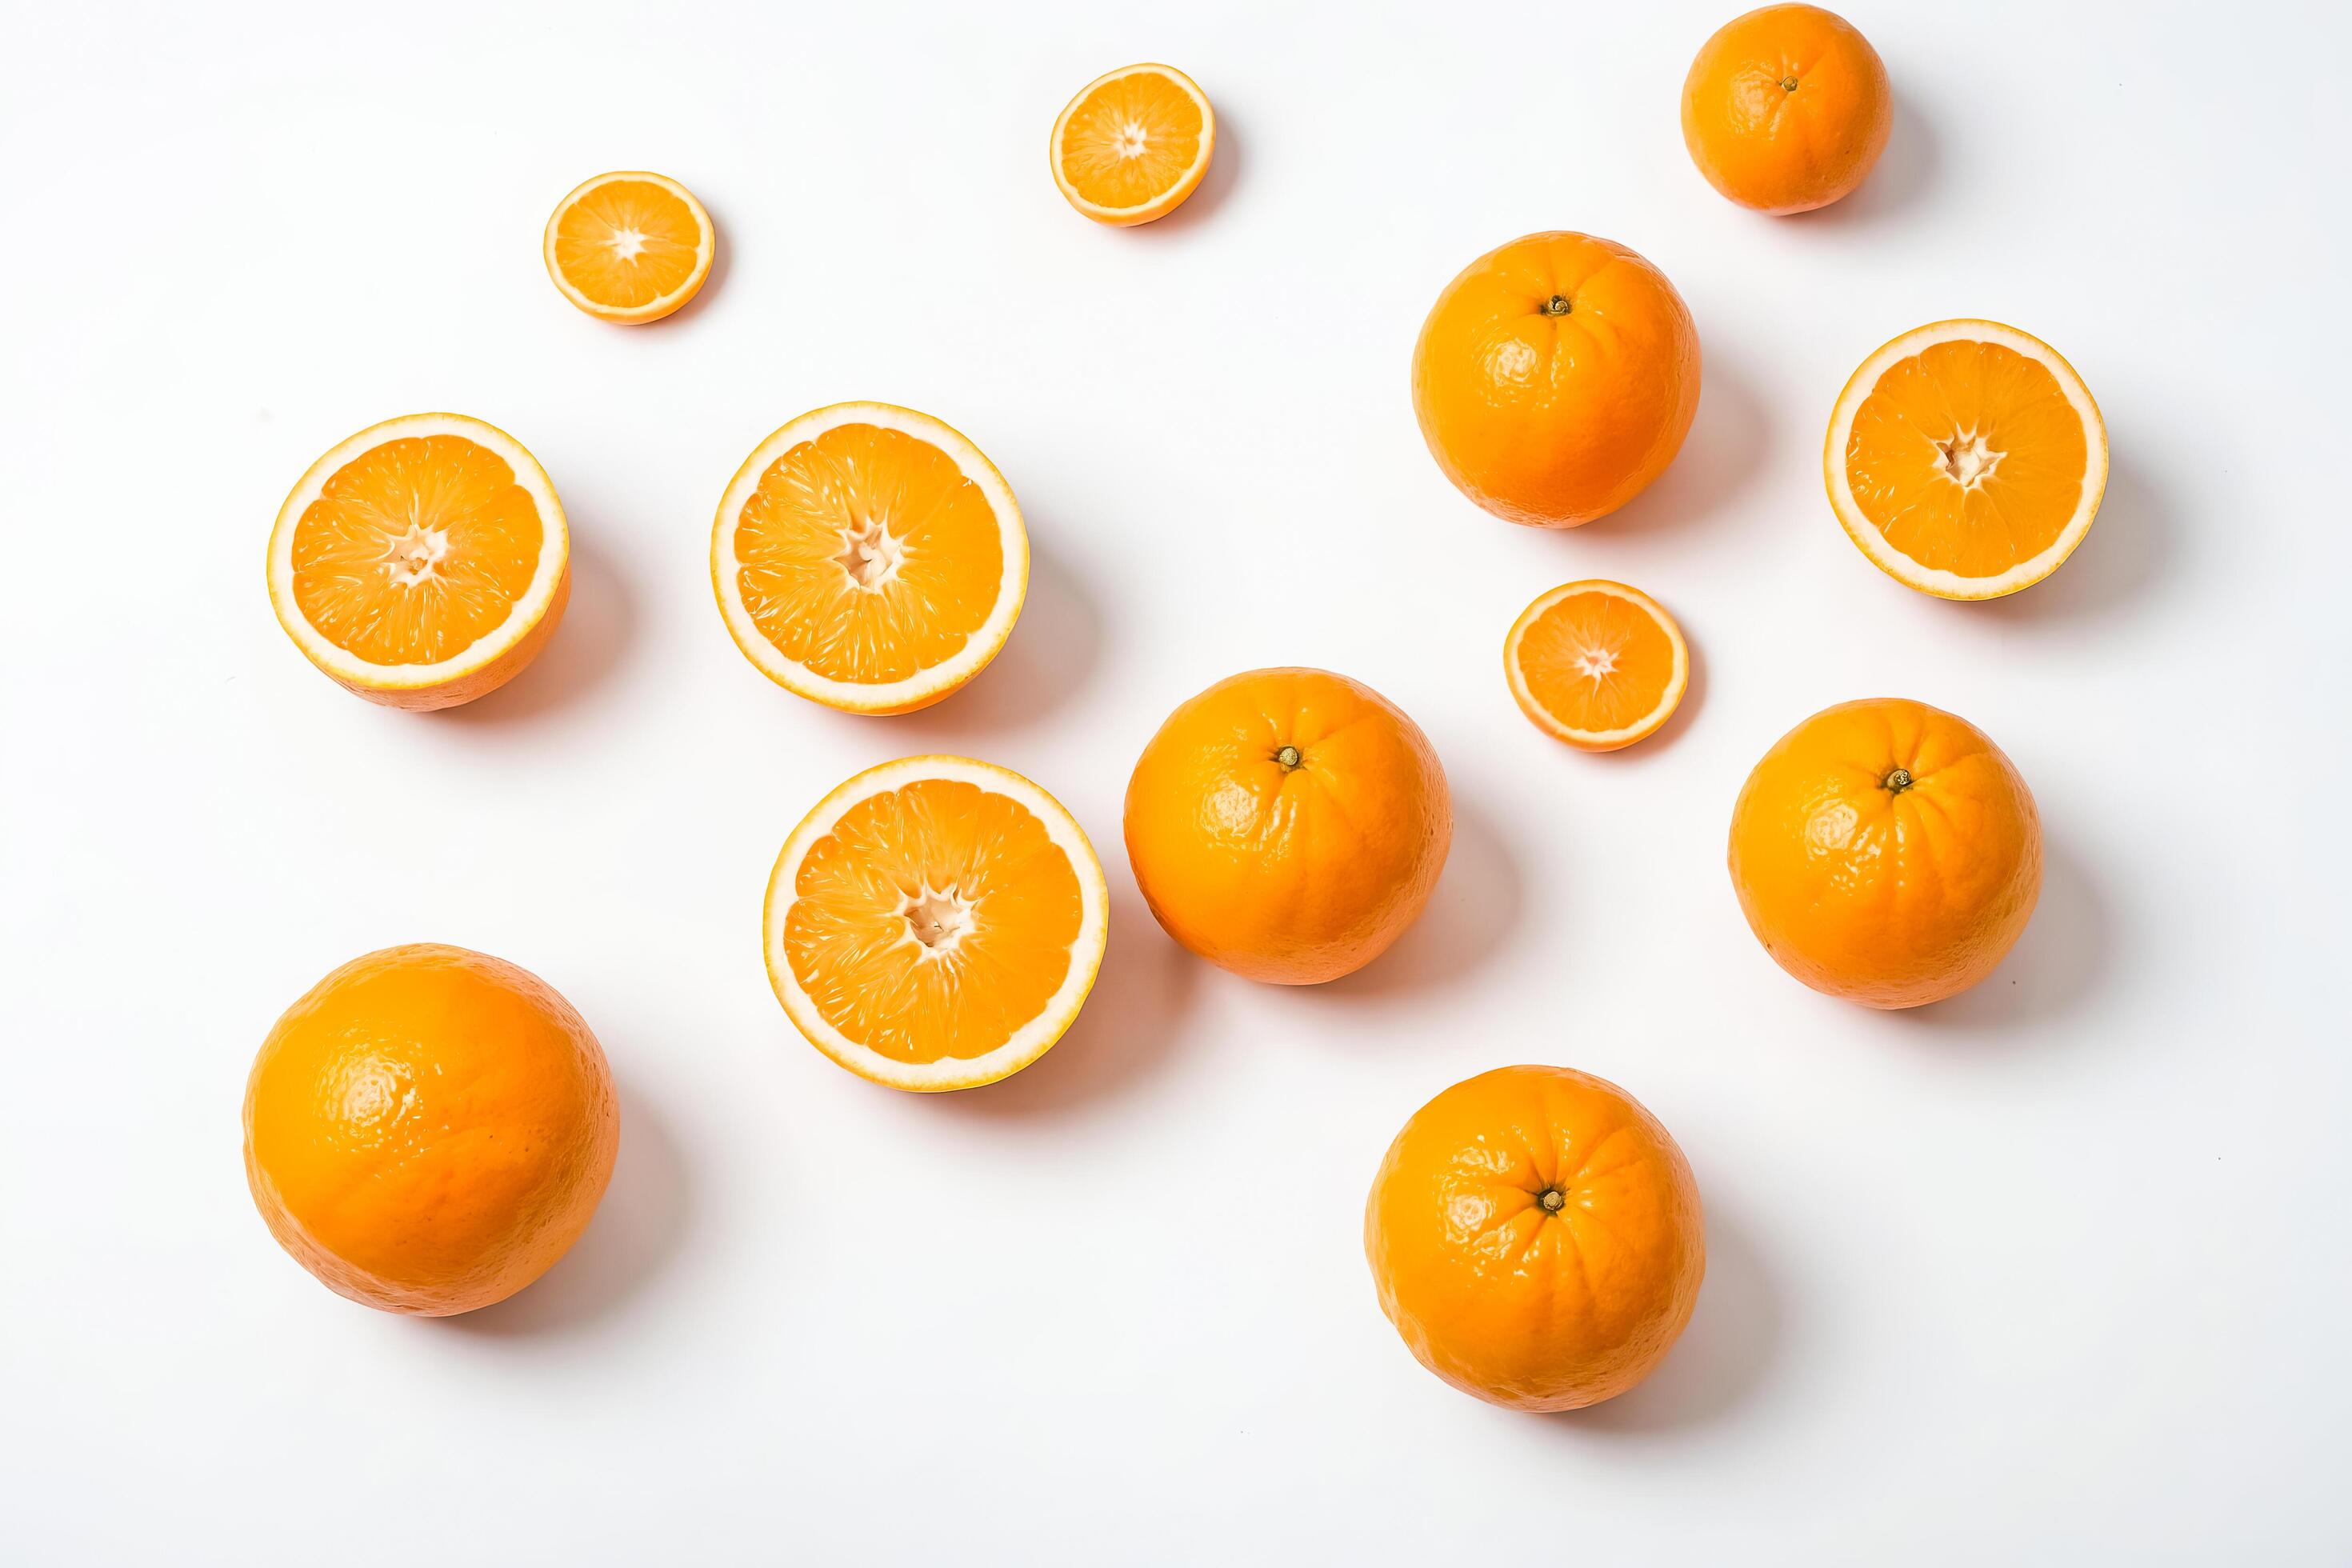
629 246
1596 664
1133 144
1787 108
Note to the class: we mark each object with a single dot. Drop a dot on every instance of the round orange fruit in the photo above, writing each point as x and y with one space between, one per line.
1287 825
429 1129
1786 108
1596 664
1536 1237
1555 378
1886 852
1133 144
630 246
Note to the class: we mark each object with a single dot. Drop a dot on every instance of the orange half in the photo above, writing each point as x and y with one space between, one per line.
1596 664
421 563
629 246
935 923
1133 144
1966 458
869 558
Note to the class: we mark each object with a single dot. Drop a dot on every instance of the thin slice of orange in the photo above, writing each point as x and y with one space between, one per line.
935 923
421 563
629 246
1133 144
1966 458
1597 664
869 558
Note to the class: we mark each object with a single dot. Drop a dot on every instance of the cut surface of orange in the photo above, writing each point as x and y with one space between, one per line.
869 558
421 563
935 923
1597 664
629 246
1966 458
1133 144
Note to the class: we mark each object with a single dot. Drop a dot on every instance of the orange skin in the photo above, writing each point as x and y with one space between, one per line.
1287 825
1555 378
1886 852
1787 108
1537 1237
429 1129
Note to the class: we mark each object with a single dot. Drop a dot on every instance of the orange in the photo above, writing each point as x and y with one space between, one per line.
935 923
1555 378
629 246
1537 1239
869 558
1886 852
1133 144
429 1129
1287 825
1596 664
423 563
1786 108
1966 459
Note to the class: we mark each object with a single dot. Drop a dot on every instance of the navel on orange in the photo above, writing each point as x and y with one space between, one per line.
1133 144
935 923
421 563
869 558
1596 664
629 246
1966 458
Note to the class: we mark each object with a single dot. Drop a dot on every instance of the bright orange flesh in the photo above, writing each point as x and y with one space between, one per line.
1131 145
933 921
627 243
1599 666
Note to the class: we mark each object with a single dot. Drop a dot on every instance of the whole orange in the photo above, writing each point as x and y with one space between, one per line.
429 1129
1886 852
1786 108
1555 377
1287 825
1537 1239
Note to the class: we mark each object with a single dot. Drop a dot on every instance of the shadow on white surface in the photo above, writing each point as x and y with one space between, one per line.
1723 454
598 629
1055 650
645 1213
1216 185
2057 967
2116 565
1902 181
1470 916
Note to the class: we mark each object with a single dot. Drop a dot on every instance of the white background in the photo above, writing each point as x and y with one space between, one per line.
2053 1272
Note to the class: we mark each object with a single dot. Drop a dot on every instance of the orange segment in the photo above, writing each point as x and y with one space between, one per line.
423 561
629 246
869 558
1966 458
1133 144
935 923
1597 664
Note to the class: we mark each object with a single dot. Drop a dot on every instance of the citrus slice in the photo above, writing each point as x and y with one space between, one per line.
1133 144
629 246
869 558
1597 664
421 563
935 923
1966 459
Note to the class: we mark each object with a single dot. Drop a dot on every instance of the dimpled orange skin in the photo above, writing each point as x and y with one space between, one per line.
1787 108
1296 872
429 1129
1555 378
1892 889
1537 1237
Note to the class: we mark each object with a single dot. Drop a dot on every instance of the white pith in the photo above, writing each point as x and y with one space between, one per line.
706 245
1969 454
417 555
1595 664
1132 140
880 696
1035 1038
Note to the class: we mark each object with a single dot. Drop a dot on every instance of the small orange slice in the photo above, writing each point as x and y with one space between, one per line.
935 923
629 246
869 558
421 563
1597 664
1966 458
1133 144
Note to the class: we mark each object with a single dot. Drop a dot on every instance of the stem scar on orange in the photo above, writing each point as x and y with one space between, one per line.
1786 108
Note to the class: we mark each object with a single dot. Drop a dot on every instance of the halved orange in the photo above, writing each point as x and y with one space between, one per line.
1133 144
629 246
421 563
935 923
869 558
1596 664
1966 458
